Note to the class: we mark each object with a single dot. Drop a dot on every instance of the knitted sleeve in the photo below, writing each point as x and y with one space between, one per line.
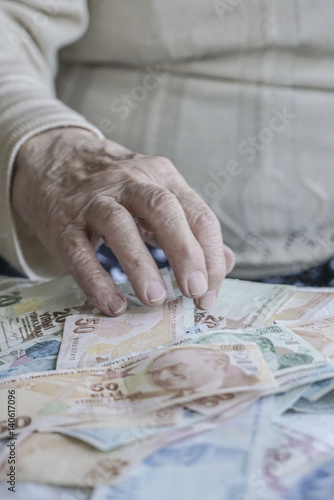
31 33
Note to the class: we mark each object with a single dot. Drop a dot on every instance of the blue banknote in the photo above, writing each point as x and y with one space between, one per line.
214 465
36 355
318 485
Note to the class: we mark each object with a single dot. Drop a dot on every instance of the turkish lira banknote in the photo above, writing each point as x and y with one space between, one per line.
89 340
224 459
125 388
306 304
283 350
39 310
243 304
160 378
317 332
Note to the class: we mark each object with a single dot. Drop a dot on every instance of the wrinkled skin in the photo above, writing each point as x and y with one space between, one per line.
76 190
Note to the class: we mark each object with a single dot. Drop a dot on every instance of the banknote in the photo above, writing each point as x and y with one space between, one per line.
37 491
40 310
315 482
318 332
7 283
52 458
36 409
60 460
165 417
305 304
108 438
89 340
215 465
322 405
290 454
220 403
289 381
111 417
317 485
285 400
318 389
236 351
283 350
243 304
160 378
32 311
319 427
36 355
175 286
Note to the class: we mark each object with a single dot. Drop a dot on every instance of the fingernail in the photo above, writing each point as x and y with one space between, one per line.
208 300
155 291
116 303
197 283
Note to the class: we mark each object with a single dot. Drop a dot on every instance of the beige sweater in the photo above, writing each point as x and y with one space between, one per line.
240 95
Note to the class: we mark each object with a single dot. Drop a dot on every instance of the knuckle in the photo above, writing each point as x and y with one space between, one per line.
117 225
105 213
182 251
186 253
75 255
205 219
124 177
217 268
133 267
218 273
80 262
163 162
103 207
161 200
164 165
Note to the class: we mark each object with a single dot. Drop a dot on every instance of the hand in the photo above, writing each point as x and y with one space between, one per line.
76 190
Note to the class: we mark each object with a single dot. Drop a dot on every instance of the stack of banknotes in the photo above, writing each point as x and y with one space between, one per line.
168 402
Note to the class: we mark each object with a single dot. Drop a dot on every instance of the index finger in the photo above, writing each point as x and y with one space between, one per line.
76 253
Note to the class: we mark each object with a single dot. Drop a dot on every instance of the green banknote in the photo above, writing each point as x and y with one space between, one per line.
283 350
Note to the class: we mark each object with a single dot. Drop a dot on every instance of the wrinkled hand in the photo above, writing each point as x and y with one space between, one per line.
76 190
